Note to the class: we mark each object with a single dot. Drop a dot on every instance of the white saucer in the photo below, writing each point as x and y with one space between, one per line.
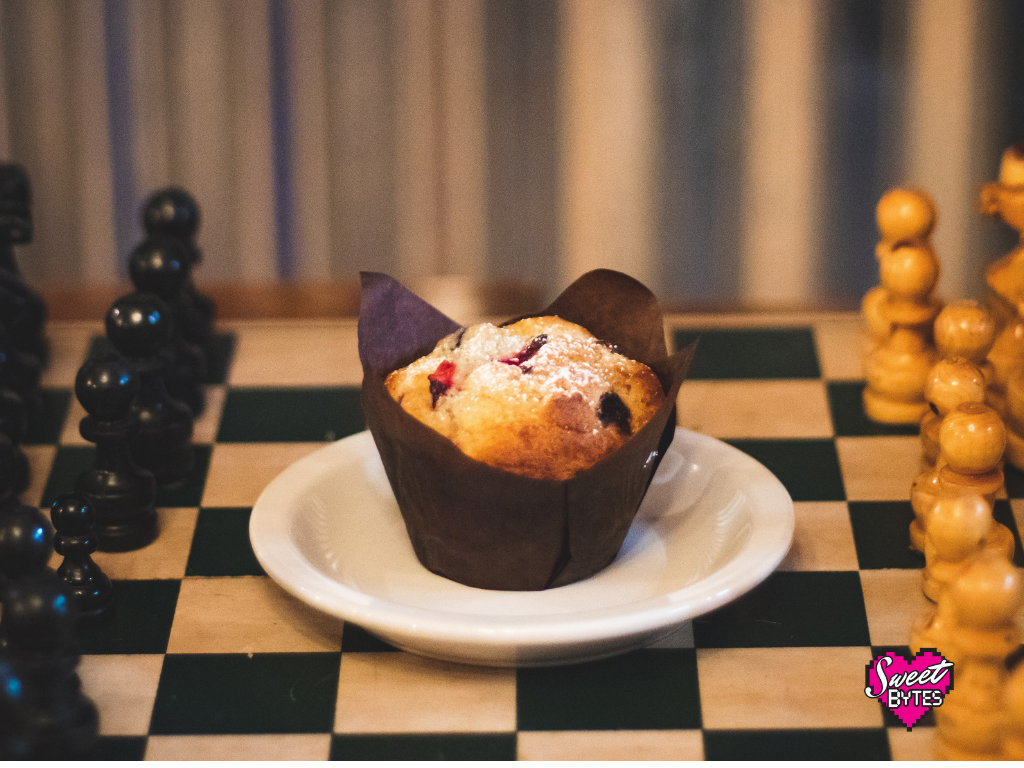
713 525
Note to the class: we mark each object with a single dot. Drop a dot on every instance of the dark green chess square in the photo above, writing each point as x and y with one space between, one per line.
651 689
838 744
889 719
881 533
778 353
790 609
808 468
355 639
119 748
848 417
143 614
221 546
246 693
483 746
72 460
1014 479
292 414
45 427
220 349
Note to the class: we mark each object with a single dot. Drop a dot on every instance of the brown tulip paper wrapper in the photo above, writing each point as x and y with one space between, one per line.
487 527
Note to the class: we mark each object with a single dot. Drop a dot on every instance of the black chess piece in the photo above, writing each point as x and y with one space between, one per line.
121 494
74 520
26 537
139 326
22 310
20 371
13 424
161 265
173 212
45 714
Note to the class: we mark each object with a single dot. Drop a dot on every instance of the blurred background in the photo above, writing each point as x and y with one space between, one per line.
725 152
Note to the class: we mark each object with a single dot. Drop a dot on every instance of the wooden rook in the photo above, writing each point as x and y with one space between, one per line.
901 315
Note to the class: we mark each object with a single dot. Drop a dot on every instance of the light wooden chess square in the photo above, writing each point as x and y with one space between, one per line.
915 745
755 409
761 688
123 688
239 472
893 601
879 468
272 354
402 693
840 345
610 745
249 747
247 614
823 538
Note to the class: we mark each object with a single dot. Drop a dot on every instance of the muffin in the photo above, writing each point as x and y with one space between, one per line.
541 397
502 518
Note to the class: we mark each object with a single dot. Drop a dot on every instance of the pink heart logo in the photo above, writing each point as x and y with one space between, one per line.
909 688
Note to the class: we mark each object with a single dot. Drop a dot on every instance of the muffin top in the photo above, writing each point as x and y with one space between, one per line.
541 397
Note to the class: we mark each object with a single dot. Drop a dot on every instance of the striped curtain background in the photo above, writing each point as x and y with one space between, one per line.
726 151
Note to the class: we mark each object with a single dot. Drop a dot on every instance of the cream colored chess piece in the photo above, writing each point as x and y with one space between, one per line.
964 332
957 526
986 600
1013 715
975 614
895 360
896 370
971 442
903 216
932 630
1004 199
969 722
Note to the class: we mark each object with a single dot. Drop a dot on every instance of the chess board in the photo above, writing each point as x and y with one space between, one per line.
208 658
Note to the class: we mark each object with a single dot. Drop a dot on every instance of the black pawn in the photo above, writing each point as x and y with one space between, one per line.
161 265
139 327
26 537
121 493
173 212
74 520
45 715
22 310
